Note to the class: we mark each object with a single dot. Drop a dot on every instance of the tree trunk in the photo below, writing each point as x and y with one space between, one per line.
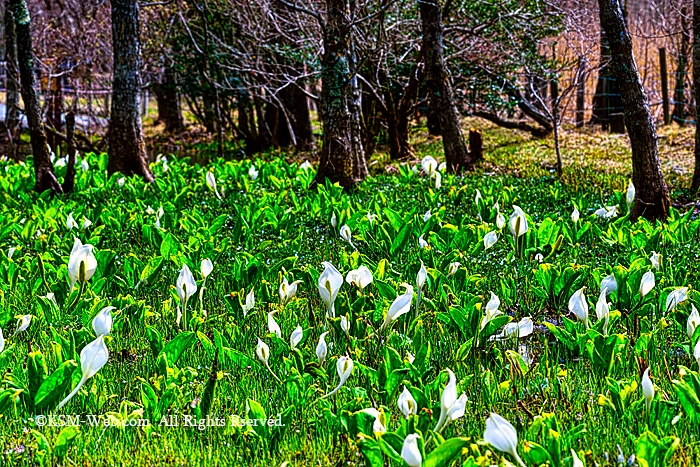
371 122
399 145
440 89
168 98
127 148
684 50
301 120
399 116
246 124
264 134
11 76
54 110
696 84
43 168
271 114
432 121
342 154
652 200
283 138
209 106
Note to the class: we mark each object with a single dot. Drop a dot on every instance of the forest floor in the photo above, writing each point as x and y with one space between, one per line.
524 322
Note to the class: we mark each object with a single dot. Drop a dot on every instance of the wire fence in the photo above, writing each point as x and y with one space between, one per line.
91 103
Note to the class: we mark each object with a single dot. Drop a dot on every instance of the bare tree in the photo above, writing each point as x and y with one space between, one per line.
12 122
342 154
652 200
43 168
440 89
695 186
127 148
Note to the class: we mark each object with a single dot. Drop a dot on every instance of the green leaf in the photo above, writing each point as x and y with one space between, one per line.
155 339
64 441
446 453
402 238
255 411
152 269
562 336
55 385
536 454
217 224
372 452
174 349
385 290
169 246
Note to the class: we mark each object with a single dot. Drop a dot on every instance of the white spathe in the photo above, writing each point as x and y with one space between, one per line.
647 389
410 452
329 283
451 407
407 404
185 284
262 351
518 222
578 305
272 325
693 322
360 277
490 239
206 267
675 297
608 284
92 358
400 306
82 258
296 337
322 348
648 282
102 323
287 291
501 434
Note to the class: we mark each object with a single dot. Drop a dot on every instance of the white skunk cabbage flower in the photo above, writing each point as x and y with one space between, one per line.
501 434
92 358
102 323
344 367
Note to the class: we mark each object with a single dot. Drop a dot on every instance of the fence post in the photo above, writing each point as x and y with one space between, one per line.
664 86
581 93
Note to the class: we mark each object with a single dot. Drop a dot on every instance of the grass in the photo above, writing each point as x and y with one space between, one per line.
264 229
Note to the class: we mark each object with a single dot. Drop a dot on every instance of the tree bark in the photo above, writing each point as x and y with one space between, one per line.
371 121
399 115
168 98
432 121
43 168
342 154
301 120
440 89
127 148
264 134
696 84
246 124
652 200
11 72
54 110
